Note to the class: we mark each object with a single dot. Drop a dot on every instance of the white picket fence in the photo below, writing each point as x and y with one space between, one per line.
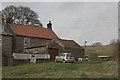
21 56
42 56
29 56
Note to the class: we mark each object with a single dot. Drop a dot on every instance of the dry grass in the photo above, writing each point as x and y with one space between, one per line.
59 70
109 50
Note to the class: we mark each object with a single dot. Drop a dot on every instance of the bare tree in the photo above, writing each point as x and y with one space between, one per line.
20 15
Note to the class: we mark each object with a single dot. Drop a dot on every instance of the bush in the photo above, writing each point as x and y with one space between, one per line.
94 57
83 75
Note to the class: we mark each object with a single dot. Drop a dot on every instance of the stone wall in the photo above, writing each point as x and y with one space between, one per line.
40 50
19 43
38 40
7 58
7 45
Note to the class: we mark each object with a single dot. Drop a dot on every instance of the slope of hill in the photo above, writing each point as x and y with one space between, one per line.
106 50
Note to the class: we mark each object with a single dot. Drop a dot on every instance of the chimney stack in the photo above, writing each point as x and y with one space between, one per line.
49 25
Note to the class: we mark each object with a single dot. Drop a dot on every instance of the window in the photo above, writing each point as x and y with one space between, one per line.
35 50
26 41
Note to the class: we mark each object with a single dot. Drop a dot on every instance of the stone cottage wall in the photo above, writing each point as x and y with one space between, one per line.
7 58
19 43
40 50
7 45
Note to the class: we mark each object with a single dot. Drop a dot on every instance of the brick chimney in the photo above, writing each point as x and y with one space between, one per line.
49 25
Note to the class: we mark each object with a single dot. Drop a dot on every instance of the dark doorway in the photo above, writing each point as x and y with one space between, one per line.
53 52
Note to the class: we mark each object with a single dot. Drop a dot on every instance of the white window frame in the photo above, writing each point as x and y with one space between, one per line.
28 41
35 50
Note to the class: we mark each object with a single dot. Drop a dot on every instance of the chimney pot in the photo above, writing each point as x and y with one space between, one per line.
49 25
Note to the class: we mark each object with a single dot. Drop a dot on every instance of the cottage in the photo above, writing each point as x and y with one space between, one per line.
46 47
36 40
25 36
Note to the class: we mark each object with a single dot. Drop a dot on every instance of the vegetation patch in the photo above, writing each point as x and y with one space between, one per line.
107 69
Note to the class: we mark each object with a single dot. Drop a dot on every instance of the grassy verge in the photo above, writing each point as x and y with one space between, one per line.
0 72
59 70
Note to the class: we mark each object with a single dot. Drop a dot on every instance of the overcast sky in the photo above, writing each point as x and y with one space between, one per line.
79 21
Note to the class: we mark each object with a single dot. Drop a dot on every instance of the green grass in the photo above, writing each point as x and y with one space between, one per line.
0 72
83 69
95 68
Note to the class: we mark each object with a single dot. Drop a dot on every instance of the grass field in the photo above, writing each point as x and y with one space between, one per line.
95 68
91 69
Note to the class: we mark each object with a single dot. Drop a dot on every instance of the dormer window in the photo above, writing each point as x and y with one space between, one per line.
26 41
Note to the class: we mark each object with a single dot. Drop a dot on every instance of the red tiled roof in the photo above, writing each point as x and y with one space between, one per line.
70 44
31 31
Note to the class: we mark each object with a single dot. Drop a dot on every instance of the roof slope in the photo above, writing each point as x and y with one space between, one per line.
31 31
70 44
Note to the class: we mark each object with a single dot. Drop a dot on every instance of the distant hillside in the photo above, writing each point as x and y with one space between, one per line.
109 50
